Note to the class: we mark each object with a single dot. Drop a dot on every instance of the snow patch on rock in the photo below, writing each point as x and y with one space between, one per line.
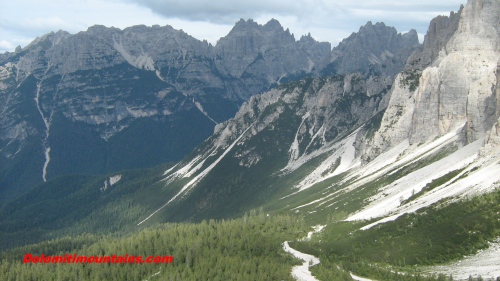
114 179
294 150
111 181
345 152
480 175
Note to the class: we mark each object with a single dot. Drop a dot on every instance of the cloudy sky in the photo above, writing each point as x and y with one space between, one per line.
327 20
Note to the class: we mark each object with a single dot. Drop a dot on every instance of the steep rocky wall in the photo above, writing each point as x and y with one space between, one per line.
323 110
440 30
458 88
375 49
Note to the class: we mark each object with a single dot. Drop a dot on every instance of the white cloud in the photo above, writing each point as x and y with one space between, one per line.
50 22
227 11
221 11
4 45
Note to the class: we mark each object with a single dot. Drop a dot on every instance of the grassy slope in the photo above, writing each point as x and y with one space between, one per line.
435 235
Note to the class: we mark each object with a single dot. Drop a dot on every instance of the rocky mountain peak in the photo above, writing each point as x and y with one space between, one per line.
252 28
410 35
266 46
48 40
452 83
481 21
97 28
273 25
378 33
440 30
59 35
244 25
374 49
307 38
369 27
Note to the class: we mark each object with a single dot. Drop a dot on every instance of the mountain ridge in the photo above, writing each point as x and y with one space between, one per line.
408 139
108 86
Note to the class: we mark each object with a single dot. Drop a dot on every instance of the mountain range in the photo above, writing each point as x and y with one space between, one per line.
330 137
376 138
106 99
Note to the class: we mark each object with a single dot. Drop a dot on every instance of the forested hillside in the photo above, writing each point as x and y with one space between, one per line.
247 248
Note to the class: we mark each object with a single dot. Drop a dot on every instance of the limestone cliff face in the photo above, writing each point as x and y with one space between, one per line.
440 30
492 141
458 88
374 49
263 55
301 117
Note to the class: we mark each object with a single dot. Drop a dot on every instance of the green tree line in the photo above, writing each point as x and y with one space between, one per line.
248 248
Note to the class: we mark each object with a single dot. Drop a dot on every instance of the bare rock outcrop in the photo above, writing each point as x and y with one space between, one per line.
459 88
375 49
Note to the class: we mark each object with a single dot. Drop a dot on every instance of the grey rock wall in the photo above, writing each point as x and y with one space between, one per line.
458 88
375 49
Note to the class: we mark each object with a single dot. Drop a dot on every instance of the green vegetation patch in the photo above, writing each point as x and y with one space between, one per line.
248 248
441 233
411 78
433 184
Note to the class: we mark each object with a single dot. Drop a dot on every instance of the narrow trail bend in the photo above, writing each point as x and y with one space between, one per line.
302 272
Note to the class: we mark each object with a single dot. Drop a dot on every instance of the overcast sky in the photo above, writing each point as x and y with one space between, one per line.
327 20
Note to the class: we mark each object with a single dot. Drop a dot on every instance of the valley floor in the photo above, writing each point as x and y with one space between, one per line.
486 264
